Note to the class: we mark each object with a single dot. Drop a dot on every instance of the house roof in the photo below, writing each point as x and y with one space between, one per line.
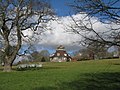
60 52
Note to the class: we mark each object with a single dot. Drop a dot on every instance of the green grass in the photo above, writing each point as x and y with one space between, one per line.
83 75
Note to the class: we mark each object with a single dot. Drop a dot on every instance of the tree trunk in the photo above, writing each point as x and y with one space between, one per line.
7 67
119 52
8 63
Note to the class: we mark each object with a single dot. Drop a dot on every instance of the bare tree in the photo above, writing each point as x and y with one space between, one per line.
107 13
97 50
16 16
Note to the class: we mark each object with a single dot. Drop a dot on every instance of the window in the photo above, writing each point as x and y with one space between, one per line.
65 54
65 58
55 58
58 54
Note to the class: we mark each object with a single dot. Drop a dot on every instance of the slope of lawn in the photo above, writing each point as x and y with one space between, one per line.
83 75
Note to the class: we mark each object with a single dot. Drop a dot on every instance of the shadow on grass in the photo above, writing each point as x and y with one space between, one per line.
117 64
45 88
99 81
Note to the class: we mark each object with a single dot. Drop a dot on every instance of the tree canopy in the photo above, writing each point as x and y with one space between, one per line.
17 16
98 12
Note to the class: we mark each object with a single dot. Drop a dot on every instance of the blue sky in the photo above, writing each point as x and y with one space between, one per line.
61 7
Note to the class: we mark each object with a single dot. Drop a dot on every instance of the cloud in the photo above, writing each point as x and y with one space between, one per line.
57 32
58 35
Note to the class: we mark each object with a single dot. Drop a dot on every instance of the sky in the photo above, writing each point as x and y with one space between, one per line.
58 35
61 7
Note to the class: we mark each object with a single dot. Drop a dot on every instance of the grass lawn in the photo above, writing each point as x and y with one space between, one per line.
83 75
